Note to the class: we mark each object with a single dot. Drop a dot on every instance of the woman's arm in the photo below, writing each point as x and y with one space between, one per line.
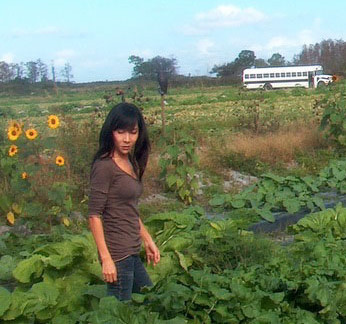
109 270
151 250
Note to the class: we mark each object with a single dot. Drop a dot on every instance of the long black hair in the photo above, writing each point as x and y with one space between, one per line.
125 116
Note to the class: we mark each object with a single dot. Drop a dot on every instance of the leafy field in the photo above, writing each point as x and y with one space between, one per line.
213 269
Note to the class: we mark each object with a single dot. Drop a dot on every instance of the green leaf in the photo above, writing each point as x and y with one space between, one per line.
7 265
32 267
266 214
184 261
5 300
217 201
291 205
238 203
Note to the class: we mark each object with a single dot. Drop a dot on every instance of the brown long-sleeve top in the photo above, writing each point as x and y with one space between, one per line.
114 196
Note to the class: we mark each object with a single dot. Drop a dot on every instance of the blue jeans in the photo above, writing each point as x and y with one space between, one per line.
131 277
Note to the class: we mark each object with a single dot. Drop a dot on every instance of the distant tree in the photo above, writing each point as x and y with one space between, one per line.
260 63
53 72
5 72
245 59
331 54
66 72
234 69
42 70
32 71
277 60
151 68
18 70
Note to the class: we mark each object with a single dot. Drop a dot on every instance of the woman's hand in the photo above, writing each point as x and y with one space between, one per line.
109 270
152 252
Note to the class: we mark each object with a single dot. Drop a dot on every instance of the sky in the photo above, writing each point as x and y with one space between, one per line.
96 37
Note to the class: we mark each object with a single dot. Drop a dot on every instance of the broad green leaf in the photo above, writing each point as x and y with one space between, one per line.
292 205
266 214
32 267
217 201
238 203
5 300
185 261
7 265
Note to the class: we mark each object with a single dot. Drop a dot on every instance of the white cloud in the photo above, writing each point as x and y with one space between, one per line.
63 56
143 53
303 37
7 57
229 16
204 46
47 30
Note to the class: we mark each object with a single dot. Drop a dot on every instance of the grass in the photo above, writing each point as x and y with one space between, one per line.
249 131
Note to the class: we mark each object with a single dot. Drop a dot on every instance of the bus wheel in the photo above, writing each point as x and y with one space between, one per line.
267 86
321 84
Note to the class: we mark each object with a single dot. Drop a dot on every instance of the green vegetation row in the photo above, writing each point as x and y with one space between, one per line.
210 272
274 193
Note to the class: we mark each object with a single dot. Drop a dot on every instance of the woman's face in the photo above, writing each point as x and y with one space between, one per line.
124 140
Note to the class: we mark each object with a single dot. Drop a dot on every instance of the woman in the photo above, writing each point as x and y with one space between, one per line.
115 187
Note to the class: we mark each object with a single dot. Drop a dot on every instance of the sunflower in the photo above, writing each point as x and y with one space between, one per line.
13 133
24 175
17 125
31 133
53 121
13 150
60 161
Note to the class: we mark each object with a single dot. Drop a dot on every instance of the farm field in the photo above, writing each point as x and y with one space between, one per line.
228 159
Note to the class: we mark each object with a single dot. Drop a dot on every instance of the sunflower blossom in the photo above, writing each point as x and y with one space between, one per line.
31 133
24 175
13 150
60 161
13 133
17 125
53 121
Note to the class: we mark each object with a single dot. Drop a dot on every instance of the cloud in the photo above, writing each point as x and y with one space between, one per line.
63 56
7 57
229 16
204 45
303 37
143 53
47 30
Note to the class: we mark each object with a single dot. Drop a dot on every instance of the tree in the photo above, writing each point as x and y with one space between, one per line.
32 71
18 70
66 72
42 70
277 60
234 69
260 63
331 54
5 72
151 68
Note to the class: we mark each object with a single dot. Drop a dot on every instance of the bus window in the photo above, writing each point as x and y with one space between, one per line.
246 76
277 75
305 73
299 73
283 75
294 74
272 75
288 74
252 76
266 75
259 76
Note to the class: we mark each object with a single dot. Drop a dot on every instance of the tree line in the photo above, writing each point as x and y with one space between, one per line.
33 72
331 54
